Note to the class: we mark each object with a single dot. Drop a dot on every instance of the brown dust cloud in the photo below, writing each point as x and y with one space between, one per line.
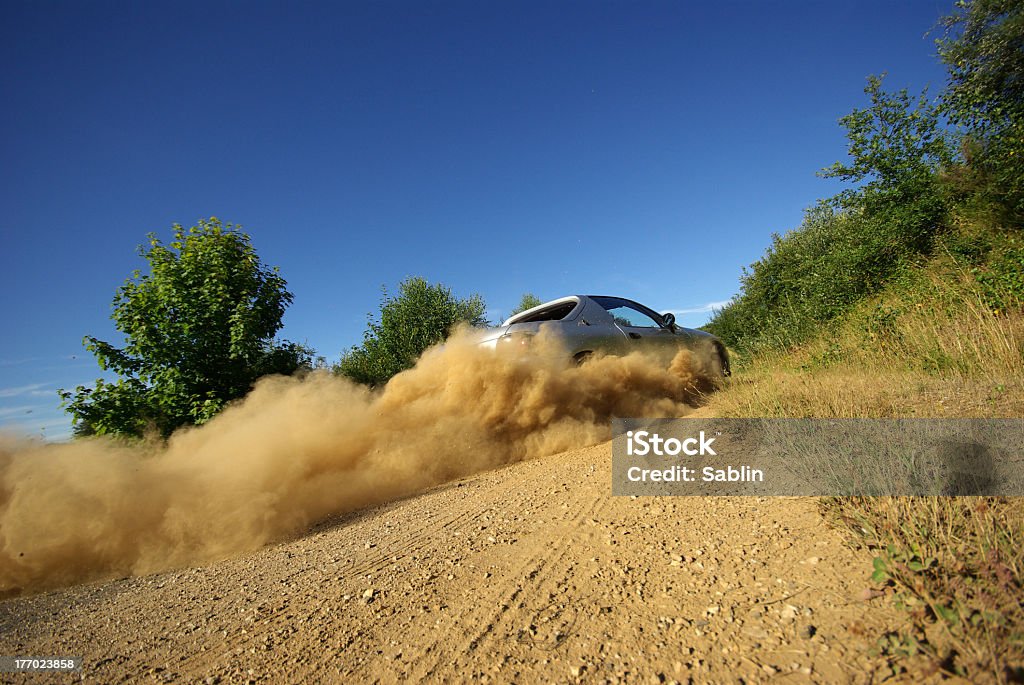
296 451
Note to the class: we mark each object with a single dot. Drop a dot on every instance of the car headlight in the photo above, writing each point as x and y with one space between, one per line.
516 340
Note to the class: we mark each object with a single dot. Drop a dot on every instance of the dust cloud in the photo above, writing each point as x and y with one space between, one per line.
298 450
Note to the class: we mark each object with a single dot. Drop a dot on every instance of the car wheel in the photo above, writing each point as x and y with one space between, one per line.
581 357
723 360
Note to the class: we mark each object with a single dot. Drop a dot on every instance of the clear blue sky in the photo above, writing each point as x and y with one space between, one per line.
642 149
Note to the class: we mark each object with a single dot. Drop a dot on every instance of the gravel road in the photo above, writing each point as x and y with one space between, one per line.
531 573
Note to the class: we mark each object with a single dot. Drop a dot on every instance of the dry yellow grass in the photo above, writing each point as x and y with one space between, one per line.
954 563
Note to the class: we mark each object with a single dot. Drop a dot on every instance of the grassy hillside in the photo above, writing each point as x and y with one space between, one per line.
903 296
945 339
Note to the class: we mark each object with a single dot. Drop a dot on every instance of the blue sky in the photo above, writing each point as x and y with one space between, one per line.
642 149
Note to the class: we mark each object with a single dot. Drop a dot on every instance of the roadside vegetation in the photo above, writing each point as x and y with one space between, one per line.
419 316
199 329
528 301
929 345
903 296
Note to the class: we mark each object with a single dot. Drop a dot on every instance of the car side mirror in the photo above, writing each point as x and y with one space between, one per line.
669 318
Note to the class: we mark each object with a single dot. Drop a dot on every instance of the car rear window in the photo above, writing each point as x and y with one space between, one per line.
554 313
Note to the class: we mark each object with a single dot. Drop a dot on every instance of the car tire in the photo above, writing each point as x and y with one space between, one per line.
723 360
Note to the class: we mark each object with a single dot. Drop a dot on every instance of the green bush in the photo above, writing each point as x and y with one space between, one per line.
528 301
421 315
199 329
849 246
983 50
1002 277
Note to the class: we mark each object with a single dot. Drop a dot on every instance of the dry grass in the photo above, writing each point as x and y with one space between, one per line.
954 564
848 393
929 349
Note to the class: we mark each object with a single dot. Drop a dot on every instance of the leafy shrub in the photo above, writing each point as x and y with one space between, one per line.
1002 278
199 329
528 301
983 49
849 246
421 315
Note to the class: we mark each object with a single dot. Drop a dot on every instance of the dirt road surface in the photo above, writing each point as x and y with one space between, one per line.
531 573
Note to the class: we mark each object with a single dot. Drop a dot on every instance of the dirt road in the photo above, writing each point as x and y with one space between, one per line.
532 573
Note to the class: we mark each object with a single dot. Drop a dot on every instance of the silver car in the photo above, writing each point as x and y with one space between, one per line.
588 323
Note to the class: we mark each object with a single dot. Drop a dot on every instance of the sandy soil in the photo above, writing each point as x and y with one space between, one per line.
532 573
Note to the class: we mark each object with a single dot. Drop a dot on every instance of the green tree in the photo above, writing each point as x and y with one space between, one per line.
850 245
896 147
528 301
895 144
983 48
419 316
199 330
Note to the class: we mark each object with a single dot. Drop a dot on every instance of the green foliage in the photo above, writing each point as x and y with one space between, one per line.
951 564
896 148
1001 278
529 301
851 245
895 144
814 274
908 180
983 48
199 330
419 316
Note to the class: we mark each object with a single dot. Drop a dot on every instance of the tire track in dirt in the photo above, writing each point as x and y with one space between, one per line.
531 573
421 523
499 602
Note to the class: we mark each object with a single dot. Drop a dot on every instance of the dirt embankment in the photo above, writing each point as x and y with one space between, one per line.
529 573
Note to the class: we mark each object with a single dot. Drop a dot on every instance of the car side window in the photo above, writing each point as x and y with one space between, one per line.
625 315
